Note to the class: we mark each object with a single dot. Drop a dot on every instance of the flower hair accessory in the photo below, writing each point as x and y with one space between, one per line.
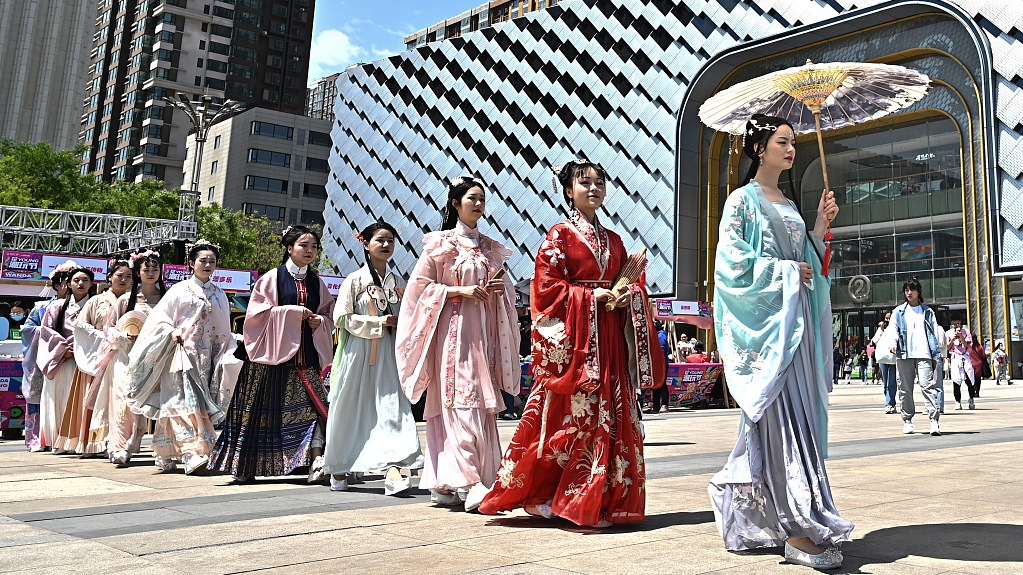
358 236
143 255
286 231
752 127
64 267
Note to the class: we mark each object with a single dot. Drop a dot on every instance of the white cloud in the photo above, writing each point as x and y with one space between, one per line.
332 51
381 53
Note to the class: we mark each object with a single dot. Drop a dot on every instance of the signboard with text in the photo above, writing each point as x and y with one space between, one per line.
227 279
34 266
333 283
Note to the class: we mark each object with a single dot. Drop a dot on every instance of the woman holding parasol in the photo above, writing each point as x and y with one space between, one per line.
578 452
772 314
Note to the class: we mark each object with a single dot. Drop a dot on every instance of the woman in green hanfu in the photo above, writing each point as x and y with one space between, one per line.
772 314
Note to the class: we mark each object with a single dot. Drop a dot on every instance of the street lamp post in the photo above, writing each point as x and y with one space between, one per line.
203 113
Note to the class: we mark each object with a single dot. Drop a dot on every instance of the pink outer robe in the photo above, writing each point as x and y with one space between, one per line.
461 353
273 332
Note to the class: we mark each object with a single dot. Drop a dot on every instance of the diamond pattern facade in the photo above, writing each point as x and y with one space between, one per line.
600 78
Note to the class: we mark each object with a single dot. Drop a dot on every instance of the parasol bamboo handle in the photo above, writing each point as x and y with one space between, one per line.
816 109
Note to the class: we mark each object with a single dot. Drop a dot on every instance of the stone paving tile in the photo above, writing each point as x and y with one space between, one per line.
20 491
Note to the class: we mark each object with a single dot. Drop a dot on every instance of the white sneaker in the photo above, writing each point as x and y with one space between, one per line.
972 405
907 427
934 427
120 458
395 483
165 465
338 484
475 496
445 498
316 471
959 406
195 463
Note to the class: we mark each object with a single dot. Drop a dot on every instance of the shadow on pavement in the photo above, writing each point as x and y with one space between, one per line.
975 542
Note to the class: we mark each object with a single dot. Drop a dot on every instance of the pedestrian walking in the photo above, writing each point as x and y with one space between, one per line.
458 342
277 417
917 352
370 428
1001 364
960 341
578 450
774 488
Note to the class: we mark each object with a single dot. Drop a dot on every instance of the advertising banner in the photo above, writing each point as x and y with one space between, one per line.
12 402
1016 317
37 267
227 279
692 312
333 283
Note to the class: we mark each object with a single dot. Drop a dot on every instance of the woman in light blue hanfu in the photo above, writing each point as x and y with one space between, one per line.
772 314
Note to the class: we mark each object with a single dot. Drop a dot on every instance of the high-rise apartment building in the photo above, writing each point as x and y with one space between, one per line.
266 162
320 98
480 17
44 51
253 51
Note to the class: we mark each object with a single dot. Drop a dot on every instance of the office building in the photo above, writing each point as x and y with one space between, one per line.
265 162
320 98
933 191
44 53
253 51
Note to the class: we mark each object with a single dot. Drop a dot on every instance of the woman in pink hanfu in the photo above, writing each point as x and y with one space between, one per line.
278 414
126 428
458 341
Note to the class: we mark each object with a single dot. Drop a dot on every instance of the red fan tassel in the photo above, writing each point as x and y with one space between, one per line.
827 252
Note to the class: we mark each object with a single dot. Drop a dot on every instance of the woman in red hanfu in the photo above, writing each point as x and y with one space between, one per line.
578 452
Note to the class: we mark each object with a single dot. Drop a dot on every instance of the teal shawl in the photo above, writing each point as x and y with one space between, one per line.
758 313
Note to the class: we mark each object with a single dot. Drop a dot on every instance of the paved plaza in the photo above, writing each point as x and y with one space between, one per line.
922 505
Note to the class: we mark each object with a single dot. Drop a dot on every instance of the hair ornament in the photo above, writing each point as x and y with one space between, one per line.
202 242
754 126
64 267
286 231
358 236
143 255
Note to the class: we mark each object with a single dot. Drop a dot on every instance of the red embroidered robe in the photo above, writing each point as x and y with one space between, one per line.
578 443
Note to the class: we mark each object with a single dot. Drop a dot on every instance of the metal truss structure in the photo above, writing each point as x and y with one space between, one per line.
82 233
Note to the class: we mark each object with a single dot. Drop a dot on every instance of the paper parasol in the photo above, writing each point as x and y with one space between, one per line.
816 97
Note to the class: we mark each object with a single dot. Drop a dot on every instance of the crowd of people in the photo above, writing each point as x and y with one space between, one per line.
918 350
99 369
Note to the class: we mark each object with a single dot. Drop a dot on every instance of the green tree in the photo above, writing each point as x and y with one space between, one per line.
148 198
246 241
37 176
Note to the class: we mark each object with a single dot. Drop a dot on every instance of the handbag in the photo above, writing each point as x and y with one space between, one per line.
888 340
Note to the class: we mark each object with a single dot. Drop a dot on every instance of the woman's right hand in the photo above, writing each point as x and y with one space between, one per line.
603 295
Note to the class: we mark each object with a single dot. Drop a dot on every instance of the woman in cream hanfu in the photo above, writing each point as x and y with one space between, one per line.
578 450
123 324
772 318
458 341
65 386
277 417
182 370
93 347
370 427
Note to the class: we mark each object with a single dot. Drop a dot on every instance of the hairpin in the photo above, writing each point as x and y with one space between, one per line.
358 236
286 231
143 255
752 127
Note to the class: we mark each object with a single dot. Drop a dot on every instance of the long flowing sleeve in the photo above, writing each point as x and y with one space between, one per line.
421 308
273 332
504 329
92 350
756 298
33 375
564 329
647 364
52 344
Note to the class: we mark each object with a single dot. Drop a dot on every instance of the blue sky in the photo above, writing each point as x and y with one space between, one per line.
347 31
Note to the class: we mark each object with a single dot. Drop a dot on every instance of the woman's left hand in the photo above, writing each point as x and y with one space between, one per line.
314 321
827 211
